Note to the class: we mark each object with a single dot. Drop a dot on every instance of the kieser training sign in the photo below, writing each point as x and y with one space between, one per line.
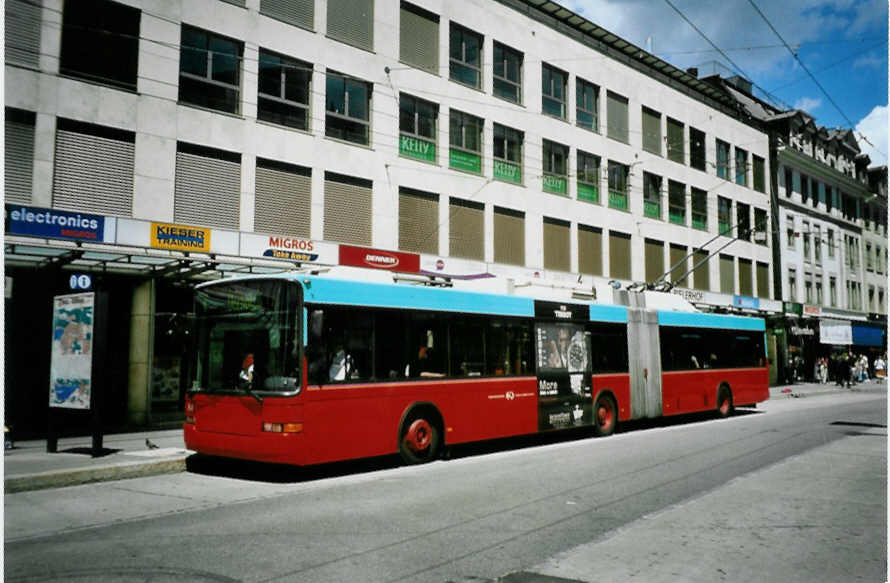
180 237
70 370
56 224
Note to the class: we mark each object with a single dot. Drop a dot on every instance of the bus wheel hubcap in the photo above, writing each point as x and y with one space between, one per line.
419 435
604 414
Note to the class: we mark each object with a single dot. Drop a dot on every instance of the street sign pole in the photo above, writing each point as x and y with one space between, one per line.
100 348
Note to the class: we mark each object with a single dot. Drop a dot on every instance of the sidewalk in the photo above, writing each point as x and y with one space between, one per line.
29 467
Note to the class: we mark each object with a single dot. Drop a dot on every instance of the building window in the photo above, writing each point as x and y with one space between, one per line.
879 260
881 299
207 187
792 285
588 177
419 38
815 192
284 86
556 173
18 155
817 244
509 236
417 128
675 141
590 250
418 221
701 270
283 201
619 255
653 259
507 154
724 210
677 202
465 137
805 231
808 288
722 160
100 42
697 157
762 270
789 182
466 229
347 110
699 209
557 239
743 221
746 285
759 174
23 42
832 291
789 224
352 22
741 167
761 222
553 91
616 117
507 73
588 105
651 131
869 262
871 298
652 195
618 185
210 70
820 296
804 188
727 274
465 56
830 237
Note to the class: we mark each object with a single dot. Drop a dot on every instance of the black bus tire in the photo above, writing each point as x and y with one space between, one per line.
605 415
420 438
725 406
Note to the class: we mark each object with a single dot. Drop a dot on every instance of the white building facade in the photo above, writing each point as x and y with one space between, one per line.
489 137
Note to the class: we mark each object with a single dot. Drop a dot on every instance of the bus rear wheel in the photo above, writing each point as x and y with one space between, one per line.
605 416
724 402
419 439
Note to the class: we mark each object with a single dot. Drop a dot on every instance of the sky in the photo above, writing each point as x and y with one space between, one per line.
843 43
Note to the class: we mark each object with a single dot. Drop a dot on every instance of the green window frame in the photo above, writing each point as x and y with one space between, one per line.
652 195
465 140
724 217
507 154
676 202
555 158
699 209
418 125
618 185
588 175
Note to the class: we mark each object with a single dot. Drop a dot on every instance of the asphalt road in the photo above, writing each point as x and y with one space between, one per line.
490 510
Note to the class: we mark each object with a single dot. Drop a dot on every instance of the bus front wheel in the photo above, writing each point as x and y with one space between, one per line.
605 415
419 439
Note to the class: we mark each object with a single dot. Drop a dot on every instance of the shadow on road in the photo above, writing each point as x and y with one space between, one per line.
285 474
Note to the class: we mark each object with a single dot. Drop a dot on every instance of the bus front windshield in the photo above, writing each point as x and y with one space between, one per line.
248 337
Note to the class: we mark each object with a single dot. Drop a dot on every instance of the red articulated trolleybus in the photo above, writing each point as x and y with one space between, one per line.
306 369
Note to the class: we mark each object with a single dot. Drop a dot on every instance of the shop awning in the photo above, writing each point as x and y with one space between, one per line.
868 335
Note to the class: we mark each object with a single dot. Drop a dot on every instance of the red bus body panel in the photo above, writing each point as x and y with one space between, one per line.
619 385
696 390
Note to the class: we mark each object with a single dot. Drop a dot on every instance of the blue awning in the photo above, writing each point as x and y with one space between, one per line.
868 335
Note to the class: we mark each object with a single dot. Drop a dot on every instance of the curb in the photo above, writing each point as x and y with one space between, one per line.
121 471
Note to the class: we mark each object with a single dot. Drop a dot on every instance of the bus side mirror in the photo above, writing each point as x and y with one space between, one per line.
316 323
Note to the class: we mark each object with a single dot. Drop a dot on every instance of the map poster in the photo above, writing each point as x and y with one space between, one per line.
72 351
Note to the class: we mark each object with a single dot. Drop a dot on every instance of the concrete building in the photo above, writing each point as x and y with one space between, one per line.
473 137
830 243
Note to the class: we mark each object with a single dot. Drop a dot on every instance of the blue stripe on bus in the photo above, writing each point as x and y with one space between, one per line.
607 313
710 321
329 291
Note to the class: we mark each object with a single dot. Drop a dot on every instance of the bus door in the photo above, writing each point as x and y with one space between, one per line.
562 354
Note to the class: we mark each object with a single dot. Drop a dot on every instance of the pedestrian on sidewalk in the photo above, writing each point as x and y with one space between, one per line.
880 368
